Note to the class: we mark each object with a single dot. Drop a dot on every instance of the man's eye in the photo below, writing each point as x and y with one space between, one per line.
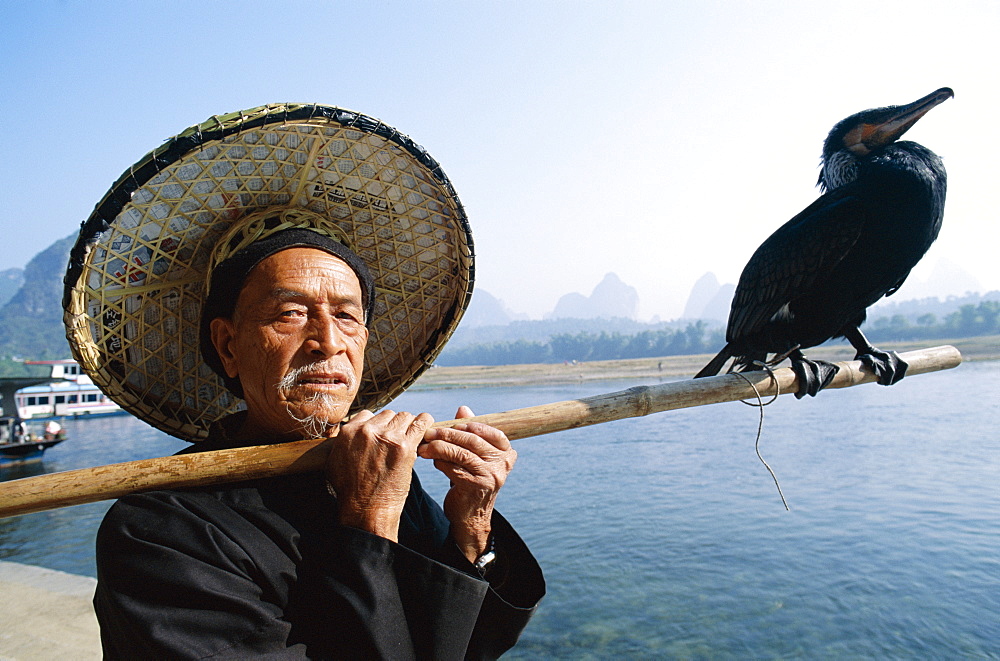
351 315
290 314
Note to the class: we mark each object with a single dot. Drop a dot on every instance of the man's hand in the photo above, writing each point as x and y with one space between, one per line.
370 465
477 459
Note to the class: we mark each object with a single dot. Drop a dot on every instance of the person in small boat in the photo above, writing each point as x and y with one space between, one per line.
355 562
52 430
19 430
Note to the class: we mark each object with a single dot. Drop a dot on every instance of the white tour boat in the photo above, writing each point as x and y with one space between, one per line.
71 393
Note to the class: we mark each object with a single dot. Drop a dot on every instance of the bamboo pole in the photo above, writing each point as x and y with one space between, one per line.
75 487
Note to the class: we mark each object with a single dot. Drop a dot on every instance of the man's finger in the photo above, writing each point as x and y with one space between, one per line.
420 424
466 440
451 454
403 421
471 432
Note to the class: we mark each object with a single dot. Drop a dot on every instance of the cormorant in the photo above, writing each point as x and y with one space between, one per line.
813 279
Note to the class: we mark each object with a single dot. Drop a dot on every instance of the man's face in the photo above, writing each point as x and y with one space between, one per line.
299 319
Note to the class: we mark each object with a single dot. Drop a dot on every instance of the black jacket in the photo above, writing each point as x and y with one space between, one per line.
262 570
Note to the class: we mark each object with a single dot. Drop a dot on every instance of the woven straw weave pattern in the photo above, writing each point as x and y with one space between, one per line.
133 315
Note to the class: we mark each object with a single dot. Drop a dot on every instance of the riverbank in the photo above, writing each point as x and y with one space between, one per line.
651 369
47 614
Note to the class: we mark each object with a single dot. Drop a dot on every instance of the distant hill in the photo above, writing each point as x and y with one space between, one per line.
719 305
487 310
610 299
31 323
709 300
704 290
10 281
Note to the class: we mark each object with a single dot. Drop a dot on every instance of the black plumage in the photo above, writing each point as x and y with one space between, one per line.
814 278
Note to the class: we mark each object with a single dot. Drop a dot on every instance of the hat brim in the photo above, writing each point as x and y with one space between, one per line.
137 276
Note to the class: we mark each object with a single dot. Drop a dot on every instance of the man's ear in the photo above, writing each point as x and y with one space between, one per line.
223 339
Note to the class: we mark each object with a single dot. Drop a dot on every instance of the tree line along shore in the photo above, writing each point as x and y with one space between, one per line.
555 341
665 367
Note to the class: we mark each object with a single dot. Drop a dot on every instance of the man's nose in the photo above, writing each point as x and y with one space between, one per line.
325 337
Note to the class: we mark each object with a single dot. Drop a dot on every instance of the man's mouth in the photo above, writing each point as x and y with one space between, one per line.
322 380
317 377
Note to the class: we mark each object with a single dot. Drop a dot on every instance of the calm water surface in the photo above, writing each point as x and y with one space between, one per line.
665 537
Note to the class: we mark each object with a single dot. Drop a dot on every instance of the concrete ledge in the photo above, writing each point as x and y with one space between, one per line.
47 614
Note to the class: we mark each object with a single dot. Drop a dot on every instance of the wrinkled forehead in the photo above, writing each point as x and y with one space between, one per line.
301 273
230 277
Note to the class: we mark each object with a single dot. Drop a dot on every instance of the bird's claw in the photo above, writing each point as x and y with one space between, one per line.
887 366
814 375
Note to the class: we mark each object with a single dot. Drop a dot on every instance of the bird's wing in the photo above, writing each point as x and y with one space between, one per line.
899 283
793 259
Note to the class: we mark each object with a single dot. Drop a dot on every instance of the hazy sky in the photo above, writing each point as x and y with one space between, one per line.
658 140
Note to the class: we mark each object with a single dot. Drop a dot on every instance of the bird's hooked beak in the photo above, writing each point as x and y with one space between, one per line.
868 136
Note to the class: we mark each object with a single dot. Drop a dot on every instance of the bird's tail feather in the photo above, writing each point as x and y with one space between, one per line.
716 364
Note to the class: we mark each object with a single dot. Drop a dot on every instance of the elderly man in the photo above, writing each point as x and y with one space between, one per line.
355 563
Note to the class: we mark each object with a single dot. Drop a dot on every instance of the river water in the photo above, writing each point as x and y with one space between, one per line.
664 536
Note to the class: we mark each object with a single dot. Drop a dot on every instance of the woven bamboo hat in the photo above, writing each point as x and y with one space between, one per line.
138 274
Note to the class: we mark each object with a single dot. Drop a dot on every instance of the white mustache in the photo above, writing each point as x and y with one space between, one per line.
291 379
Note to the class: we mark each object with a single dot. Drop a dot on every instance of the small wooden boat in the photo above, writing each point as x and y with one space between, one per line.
19 445
26 451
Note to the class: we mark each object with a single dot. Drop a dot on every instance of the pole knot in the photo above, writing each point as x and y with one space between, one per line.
641 399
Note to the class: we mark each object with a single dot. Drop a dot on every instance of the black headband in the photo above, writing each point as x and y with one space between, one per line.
229 276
